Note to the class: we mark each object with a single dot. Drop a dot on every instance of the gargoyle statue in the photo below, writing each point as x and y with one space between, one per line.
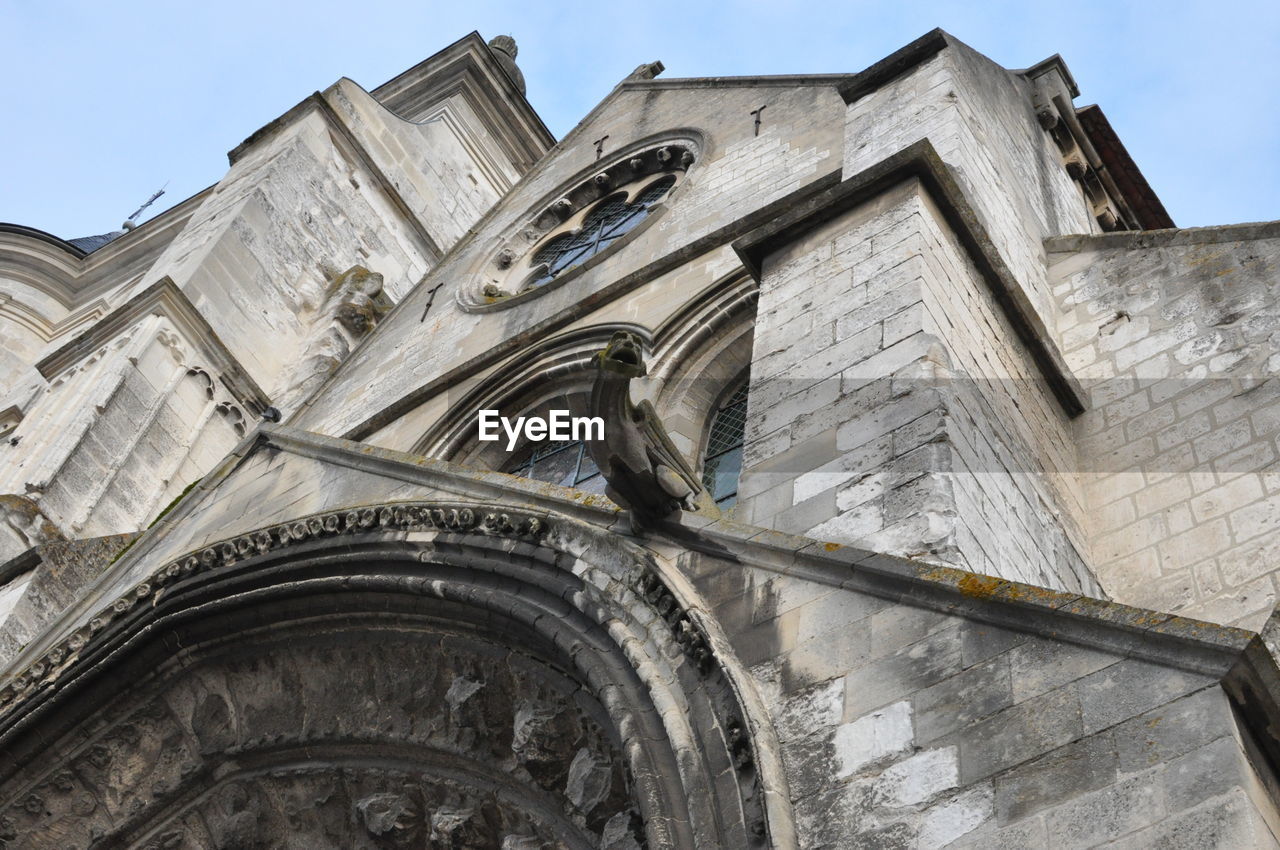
645 472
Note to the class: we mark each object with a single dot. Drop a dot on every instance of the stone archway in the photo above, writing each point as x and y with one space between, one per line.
405 675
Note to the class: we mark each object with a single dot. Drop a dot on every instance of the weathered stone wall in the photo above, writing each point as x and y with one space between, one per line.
980 118
444 168
293 212
119 428
60 573
893 407
1175 335
903 727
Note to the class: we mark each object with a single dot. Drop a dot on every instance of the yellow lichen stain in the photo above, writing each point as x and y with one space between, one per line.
1154 722
831 547
978 586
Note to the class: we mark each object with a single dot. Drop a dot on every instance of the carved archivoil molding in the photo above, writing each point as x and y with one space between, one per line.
619 588
402 517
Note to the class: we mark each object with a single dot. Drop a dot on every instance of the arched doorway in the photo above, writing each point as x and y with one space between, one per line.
404 675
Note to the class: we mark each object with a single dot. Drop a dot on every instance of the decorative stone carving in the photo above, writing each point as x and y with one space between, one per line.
352 305
23 525
562 208
533 737
645 471
589 778
241 812
391 819
647 71
621 175
233 415
401 517
173 343
505 50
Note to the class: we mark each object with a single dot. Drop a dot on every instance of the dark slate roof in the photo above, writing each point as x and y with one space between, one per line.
89 244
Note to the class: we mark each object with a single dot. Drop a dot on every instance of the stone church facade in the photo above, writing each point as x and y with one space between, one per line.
936 504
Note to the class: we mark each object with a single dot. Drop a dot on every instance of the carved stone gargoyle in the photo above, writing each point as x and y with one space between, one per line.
646 473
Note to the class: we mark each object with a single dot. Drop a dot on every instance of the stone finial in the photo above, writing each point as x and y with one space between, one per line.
505 50
647 71
505 44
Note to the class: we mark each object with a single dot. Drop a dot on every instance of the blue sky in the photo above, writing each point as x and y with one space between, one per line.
105 102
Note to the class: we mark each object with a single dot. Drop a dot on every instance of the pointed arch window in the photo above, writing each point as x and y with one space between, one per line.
610 220
723 463
563 462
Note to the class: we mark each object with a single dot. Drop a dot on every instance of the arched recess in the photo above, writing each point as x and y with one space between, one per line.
696 359
554 374
702 355
391 676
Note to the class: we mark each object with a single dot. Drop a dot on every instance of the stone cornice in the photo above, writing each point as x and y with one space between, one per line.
894 65
748 82
467 67
400 517
1166 238
63 272
166 299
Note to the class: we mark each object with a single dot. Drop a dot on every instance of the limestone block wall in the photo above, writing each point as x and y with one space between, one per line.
892 406
980 118
1175 335
903 727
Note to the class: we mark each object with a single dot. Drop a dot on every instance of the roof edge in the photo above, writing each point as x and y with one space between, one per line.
1115 157
894 65
43 236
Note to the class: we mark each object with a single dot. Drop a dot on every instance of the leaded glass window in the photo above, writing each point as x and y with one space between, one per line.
723 463
563 462
608 221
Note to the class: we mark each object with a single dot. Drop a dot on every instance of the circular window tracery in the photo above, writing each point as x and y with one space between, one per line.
594 217
608 221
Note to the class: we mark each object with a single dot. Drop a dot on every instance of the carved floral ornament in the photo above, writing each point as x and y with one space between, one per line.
595 216
519 526
407 517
